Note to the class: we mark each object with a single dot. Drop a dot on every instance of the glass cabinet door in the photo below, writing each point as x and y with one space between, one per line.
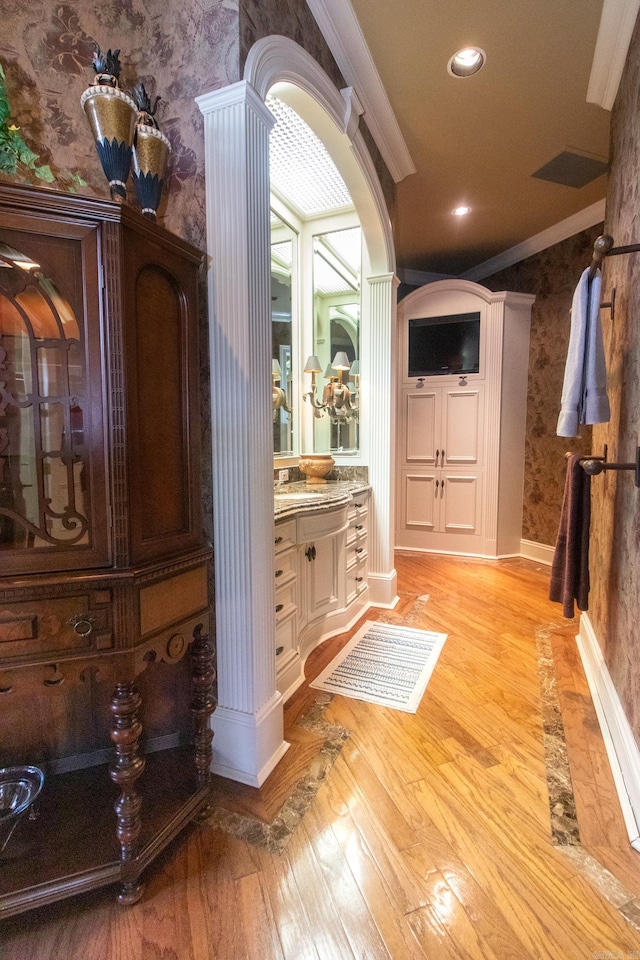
47 416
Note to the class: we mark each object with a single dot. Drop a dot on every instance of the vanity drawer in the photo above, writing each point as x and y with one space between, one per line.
359 506
286 639
284 567
285 601
356 554
321 524
284 536
31 628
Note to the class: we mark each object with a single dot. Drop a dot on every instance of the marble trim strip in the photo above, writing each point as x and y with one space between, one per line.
565 833
276 835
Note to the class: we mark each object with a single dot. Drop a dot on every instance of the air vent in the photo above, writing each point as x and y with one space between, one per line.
572 169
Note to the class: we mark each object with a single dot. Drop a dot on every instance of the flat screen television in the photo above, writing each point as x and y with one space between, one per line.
444 345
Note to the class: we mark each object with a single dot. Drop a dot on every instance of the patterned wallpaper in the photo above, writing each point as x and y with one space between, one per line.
615 531
46 49
552 276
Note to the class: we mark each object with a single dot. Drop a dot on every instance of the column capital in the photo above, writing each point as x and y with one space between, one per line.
233 95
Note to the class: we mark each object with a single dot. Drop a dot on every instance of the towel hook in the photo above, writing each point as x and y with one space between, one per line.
596 465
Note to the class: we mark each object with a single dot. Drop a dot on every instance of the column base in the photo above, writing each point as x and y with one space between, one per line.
247 747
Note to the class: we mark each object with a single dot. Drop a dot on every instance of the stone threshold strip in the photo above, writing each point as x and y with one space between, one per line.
565 832
275 835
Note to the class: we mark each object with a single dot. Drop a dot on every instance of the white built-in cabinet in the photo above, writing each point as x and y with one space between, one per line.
461 437
320 569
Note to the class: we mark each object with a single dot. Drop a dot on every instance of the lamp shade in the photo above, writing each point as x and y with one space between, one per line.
341 361
312 365
355 369
329 373
275 369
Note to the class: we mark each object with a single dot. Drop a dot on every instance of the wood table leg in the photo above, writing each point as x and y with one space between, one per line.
203 703
124 771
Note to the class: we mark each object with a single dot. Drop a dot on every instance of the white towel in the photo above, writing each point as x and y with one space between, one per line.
584 392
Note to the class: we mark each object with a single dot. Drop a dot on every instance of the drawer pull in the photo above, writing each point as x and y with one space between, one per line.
310 554
279 650
82 624
359 549
359 579
359 526
278 540
279 607
358 505
279 573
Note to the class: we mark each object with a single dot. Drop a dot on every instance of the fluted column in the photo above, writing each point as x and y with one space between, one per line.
380 418
248 721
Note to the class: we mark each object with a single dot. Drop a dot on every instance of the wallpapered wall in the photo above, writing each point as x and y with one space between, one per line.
552 276
615 534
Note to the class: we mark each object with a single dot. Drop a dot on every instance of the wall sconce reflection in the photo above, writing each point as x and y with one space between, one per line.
278 395
338 401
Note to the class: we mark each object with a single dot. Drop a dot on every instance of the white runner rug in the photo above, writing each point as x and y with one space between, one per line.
383 663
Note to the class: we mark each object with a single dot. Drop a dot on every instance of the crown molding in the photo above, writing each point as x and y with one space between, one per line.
612 45
540 241
418 278
339 26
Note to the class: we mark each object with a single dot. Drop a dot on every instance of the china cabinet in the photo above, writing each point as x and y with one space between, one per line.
106 668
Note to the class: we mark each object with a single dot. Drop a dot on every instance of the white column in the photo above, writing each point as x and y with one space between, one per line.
380 418
248 725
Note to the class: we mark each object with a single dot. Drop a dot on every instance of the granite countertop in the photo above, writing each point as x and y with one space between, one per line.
292 498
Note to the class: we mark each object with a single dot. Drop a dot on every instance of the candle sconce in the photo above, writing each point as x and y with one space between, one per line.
338 402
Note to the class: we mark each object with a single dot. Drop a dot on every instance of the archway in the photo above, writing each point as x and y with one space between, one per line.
248 721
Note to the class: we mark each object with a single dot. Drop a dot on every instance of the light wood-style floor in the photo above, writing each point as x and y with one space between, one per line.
430 836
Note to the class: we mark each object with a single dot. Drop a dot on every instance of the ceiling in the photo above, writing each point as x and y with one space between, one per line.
478 140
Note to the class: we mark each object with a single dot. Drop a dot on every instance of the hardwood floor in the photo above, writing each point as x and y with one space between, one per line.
430 835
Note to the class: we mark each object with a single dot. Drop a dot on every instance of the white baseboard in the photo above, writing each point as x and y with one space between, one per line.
622 749
541 552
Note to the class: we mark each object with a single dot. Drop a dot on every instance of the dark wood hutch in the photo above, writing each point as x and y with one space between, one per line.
105 661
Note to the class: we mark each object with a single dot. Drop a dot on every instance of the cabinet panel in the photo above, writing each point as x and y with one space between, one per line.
421 504
459 502
422 425
461 426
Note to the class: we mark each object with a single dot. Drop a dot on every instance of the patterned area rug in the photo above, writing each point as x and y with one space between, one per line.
386 664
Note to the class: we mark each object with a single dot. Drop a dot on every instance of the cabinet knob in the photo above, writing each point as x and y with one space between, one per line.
359 526
359 579
310 553
279 573
279 650
359 549
279 607
277 540
357 505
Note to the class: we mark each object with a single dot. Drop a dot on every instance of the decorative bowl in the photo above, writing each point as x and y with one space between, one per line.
316 466
19 788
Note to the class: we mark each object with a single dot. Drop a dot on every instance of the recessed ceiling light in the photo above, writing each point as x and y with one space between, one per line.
461 211
466 62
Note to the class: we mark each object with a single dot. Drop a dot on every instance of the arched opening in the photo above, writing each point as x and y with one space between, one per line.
248 722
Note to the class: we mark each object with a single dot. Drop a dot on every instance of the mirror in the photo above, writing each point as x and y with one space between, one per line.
283 249
337 257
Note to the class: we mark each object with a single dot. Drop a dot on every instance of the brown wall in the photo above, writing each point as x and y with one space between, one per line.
47 62
615 541
552 276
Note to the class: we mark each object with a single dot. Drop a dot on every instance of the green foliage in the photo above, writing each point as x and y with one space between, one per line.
16 157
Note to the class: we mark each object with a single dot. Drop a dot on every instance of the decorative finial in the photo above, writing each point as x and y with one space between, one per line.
107 66
146 112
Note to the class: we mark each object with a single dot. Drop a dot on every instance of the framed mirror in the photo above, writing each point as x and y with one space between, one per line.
337 257
283 335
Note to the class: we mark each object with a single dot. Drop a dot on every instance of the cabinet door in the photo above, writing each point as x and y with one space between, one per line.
53 507
461 422
421 500
324 575
459 501
422 412
162 414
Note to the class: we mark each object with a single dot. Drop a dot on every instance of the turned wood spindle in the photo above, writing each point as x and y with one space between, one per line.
203 703
124 771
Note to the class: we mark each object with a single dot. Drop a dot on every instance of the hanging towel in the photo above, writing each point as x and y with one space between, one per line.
570 567
584 392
